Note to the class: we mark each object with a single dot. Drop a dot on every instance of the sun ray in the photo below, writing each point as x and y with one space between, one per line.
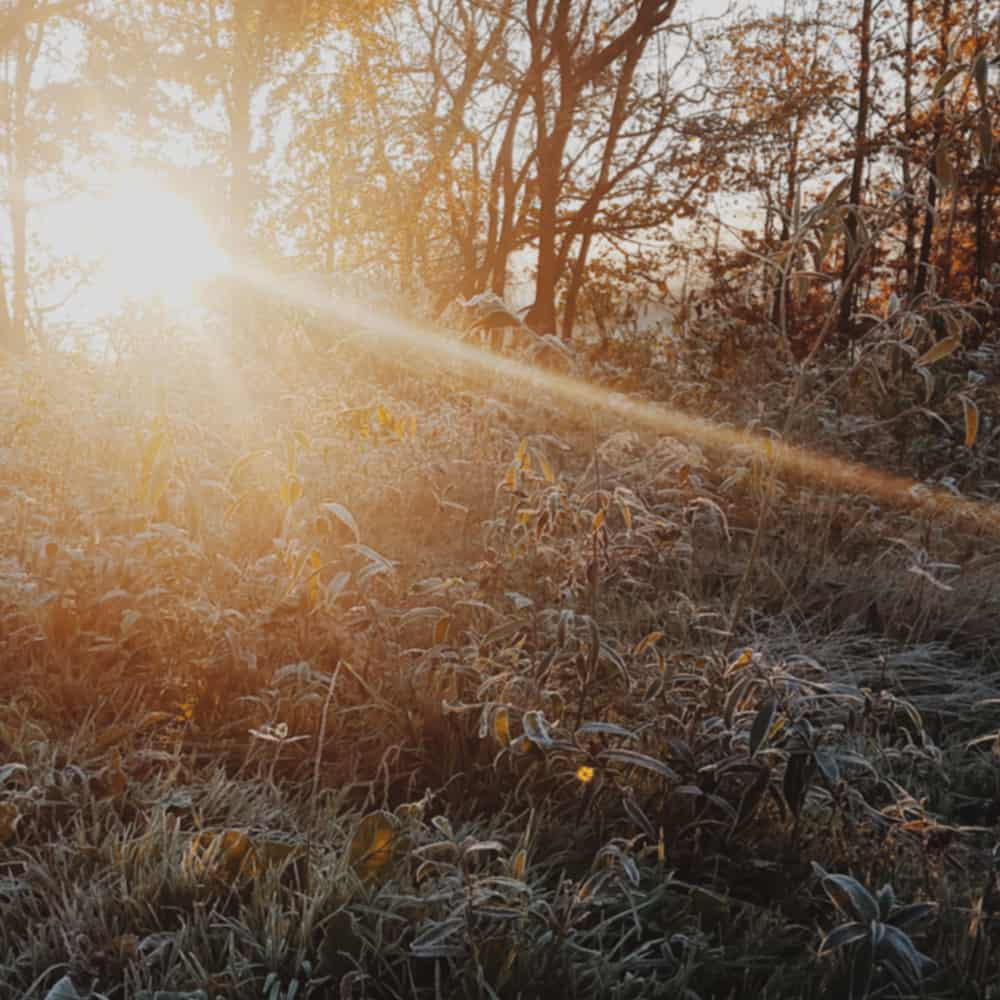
474 362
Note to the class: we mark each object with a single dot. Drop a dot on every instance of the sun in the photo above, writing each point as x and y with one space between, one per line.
158 246
146 242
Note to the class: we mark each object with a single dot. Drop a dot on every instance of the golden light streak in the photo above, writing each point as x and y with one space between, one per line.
528 381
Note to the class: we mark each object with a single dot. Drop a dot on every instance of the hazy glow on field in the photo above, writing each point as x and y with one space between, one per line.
472 363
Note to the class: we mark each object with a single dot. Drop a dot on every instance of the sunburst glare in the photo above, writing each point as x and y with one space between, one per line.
146 240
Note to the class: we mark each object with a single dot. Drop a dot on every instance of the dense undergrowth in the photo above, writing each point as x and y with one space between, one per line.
335 677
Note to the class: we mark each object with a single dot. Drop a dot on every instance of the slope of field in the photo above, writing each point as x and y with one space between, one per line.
344 677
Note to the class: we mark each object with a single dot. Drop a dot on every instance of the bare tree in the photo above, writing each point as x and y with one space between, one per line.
23 35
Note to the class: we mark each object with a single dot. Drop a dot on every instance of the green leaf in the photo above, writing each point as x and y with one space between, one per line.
490 312
342 514
896 945
536 729
834 196
762 724
377 563
606 729
907 915
827 763
852 897
65 989
641 760
862 967
842 936
971 413
337 584
943 80
437 941
752 796
981 73
8 769
798 771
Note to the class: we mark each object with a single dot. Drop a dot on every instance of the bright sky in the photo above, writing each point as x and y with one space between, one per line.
147 242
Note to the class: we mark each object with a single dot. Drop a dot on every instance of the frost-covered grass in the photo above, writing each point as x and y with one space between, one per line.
334 677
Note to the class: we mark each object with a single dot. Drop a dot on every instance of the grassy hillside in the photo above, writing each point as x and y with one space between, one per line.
340 676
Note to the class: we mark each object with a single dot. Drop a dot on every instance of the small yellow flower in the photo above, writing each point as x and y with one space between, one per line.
585 774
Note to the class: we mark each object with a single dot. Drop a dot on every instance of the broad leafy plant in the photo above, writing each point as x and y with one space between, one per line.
875 935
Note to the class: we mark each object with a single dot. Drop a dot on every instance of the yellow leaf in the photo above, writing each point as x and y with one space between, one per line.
745 657
291 489
149 454
971 421
116 779
510 480
501 726
371 847
237 481
157 484
274 853
412 813
661 848
155 718
598 521
518 863
508 966
944 172
221 857
522 454
382 415
627 516
316 562
441 630
110 736
9 818
643 644
550 476
940 350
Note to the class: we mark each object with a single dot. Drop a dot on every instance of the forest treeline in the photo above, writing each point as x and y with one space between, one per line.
809 169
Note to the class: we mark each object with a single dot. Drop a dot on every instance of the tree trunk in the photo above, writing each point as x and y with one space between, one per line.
5 324
542 317
18 151
856 197
933 194
240 139
909 205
